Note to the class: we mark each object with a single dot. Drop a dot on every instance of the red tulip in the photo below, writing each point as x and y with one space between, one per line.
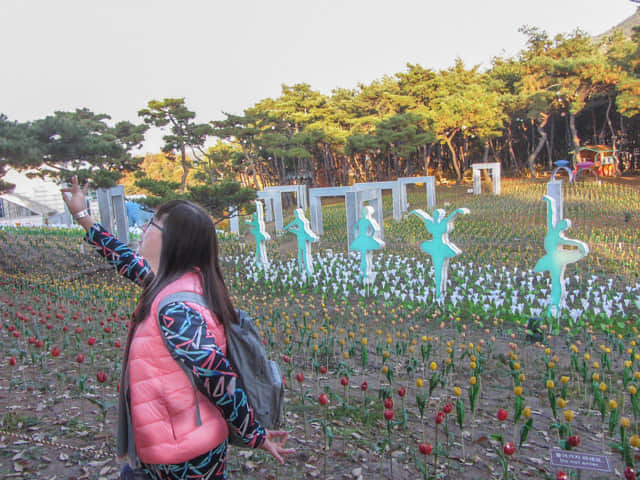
364 386
323 399
300 377
388 414
286 358
12 361
32 340
65 329
629 473
502 414
38 343
402 391
439 417
344 381
448 408
323 369
78 330
388 403
80 358
117 344
101 377
16 334
91 341
561 475
55 351
425 448
509 448
574 440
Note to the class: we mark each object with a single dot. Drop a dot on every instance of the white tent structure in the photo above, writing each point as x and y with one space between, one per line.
33 201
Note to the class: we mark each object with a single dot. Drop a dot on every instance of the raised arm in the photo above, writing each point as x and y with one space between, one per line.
551 205
76 199
424 216
459 211
126 261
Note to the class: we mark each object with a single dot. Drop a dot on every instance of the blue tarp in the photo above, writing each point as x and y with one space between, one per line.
138 214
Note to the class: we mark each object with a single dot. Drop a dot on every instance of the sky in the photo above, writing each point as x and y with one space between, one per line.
223 56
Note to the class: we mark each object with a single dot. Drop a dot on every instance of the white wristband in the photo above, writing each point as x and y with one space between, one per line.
80 214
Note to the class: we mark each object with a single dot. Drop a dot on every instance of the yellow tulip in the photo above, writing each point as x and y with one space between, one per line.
473 380
625 422
433 366
564 379
457 391
602 387
526 412
632 389
419 382
550 384
569 415
517 391
561 402
634 441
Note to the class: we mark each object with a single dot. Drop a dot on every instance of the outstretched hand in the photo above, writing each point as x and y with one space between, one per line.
276 448
74 196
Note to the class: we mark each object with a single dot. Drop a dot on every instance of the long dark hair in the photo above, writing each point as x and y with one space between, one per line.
189 243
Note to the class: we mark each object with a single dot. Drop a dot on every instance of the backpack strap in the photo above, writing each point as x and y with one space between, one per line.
190 297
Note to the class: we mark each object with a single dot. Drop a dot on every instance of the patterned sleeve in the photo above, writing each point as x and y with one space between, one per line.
127 262
187 333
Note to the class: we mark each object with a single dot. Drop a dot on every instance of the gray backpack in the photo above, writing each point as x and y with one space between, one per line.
259 377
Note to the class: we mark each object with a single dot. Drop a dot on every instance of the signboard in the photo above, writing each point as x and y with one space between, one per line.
582 461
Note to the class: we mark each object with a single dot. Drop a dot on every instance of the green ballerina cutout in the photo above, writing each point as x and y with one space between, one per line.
440 247
367 233
302 230
558 257
260 234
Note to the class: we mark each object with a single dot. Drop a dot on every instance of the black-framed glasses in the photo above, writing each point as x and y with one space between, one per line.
151 222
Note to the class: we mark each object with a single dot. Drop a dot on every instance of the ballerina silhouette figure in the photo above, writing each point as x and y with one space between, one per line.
302 230
367 239
260 234
440 247
558 257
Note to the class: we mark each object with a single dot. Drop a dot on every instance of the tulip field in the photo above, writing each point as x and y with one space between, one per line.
382 382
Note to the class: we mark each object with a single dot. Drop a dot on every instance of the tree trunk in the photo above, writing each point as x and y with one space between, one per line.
426 158
510 152
485 153
541 141
454 156
575 140
550 146
185 168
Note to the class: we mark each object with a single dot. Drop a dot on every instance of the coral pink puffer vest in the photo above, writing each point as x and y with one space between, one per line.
163 409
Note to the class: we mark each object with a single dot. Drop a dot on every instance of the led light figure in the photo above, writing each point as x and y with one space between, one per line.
260 234
558 257
367 239
302 230
440 247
